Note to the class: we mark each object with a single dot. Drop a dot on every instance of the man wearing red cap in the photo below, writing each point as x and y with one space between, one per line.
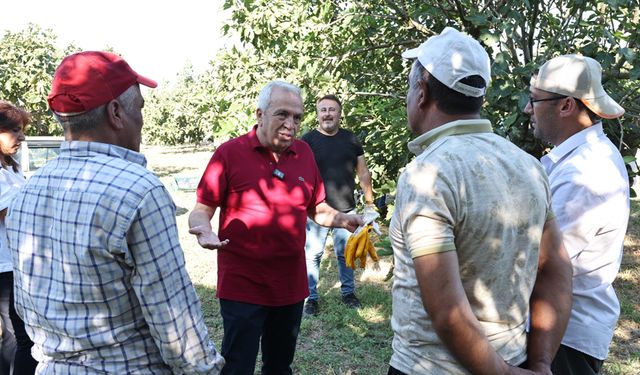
590 195
101 280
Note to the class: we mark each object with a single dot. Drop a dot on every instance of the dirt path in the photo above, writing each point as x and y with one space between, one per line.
168 162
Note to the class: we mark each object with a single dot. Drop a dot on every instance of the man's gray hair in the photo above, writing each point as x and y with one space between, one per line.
264 99
89 120
417 73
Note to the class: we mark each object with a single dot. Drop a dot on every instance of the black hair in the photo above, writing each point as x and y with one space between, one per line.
592 116
448 100
330 97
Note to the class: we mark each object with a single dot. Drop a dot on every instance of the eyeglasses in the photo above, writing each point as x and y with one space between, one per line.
532 100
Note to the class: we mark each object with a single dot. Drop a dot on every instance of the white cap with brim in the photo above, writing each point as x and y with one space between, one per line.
452 56
579 77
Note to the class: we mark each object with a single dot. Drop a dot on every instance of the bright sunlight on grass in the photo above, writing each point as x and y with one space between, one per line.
343 341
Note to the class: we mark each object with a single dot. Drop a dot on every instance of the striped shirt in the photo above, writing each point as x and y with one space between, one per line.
100 276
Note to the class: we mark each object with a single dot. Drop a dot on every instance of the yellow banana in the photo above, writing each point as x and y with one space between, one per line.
358 247
372 252
363 257
354 244
350 249
362 236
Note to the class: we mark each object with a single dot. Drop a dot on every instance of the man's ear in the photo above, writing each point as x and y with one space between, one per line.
114 114
569 107
259 116
423 94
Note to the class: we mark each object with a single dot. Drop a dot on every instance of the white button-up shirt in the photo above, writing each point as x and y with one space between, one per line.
590 195
10 183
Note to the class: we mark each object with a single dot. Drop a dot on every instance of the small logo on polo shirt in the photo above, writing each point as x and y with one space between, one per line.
300 178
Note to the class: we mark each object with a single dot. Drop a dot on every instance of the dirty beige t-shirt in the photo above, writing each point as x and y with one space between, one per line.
473 192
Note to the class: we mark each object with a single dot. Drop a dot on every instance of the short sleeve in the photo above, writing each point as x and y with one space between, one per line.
357 145
213 184
319 193
428 209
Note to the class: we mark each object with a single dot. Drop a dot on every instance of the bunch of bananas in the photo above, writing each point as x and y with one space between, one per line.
358 246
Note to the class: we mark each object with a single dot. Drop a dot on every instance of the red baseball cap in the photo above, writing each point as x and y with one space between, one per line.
86 80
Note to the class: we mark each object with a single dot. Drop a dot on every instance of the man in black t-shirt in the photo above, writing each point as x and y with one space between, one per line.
339 156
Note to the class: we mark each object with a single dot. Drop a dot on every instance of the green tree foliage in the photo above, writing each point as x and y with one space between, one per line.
353 48
195 109
28 59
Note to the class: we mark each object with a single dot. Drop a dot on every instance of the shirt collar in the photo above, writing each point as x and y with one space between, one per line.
423 141
255 142
587 135
82 148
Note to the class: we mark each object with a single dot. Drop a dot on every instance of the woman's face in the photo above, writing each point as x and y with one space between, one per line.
10 139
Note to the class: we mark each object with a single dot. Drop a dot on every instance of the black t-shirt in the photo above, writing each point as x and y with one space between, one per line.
337 158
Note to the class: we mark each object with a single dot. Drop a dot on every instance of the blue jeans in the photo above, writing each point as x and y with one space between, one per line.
314 248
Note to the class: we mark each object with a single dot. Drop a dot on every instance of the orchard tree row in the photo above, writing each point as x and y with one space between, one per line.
352 49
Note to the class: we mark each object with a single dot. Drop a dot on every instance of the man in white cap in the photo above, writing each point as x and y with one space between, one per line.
590 195
477 249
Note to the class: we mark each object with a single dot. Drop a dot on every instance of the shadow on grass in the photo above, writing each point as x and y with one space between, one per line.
341 340
182 149
161 172
338 341
624 355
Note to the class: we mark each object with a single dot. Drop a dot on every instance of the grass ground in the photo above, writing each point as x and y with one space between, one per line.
341 341
624 355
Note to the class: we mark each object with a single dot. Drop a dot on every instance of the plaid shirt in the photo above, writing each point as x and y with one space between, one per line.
100 276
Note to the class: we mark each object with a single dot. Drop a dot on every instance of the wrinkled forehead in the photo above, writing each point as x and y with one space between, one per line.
285 98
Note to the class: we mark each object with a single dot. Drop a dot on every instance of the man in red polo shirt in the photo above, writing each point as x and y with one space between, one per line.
266 183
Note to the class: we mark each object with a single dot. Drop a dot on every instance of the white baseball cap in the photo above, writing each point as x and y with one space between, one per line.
452 56
579 77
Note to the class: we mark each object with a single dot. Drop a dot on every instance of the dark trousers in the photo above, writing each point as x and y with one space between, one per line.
23 363
16 344
569 361
248 326
8 339
394 371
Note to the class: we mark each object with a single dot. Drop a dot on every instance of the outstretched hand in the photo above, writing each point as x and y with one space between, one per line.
206 238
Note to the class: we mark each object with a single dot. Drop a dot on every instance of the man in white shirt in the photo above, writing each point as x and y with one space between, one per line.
590 197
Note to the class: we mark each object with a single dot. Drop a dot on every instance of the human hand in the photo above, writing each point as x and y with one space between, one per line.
532 370
351 222
206 238
540 369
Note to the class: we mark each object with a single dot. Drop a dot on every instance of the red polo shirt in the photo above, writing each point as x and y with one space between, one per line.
264 218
